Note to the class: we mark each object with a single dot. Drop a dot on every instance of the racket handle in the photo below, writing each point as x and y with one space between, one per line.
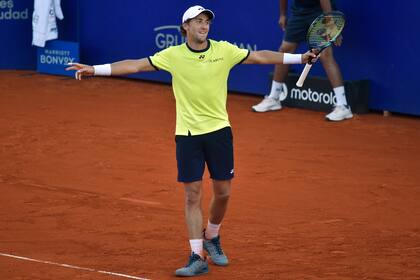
303 75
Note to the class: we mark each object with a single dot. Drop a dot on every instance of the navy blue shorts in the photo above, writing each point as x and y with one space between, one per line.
214 149
297 27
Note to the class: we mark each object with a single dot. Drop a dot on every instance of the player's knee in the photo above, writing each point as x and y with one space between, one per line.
222 193
328 58
287 47
192 197
223 198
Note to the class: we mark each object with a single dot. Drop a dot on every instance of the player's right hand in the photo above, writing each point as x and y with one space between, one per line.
310 57
81 70
283 22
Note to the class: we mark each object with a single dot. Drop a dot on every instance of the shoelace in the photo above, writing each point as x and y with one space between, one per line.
216 243
192 259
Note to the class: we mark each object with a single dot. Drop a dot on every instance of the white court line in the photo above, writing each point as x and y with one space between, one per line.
73 266
140 201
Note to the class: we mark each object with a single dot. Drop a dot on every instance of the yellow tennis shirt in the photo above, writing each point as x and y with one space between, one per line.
199 82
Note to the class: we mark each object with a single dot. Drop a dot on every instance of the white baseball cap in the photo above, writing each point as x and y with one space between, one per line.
194 11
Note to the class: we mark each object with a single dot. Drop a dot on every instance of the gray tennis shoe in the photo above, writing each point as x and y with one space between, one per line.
214 249
196 266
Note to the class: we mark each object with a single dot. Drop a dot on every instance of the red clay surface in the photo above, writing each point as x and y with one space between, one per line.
88 178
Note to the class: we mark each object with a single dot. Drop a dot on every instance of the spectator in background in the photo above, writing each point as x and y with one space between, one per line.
303 12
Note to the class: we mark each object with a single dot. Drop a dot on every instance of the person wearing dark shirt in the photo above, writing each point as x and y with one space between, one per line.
303 12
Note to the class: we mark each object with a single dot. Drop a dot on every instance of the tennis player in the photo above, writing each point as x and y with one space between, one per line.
200 69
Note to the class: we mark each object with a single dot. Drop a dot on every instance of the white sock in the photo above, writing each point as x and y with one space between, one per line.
276 89
340 94
212 230
197 246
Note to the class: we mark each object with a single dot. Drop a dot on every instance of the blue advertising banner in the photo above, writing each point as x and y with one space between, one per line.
16 50
145 28
16 35
109 31
56 55
138 29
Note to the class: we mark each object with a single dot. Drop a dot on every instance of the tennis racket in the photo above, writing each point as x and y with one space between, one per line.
322 33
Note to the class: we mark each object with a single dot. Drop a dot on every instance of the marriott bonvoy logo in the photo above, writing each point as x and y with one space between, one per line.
309 95
8 13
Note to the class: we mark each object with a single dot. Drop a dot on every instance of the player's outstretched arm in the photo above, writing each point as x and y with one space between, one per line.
123 67
271 57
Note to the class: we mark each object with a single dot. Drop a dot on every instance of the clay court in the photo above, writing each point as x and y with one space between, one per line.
88 187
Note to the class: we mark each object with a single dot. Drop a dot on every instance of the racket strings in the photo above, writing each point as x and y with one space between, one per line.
325 30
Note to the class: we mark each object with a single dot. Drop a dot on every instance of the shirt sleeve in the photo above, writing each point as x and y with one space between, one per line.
236 54
161 60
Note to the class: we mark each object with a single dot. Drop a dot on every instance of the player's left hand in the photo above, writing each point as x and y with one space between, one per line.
338 41
81 70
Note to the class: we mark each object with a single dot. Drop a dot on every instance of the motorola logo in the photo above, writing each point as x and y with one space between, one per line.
308 95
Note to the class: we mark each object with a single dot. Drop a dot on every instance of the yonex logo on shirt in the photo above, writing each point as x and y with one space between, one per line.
201 56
